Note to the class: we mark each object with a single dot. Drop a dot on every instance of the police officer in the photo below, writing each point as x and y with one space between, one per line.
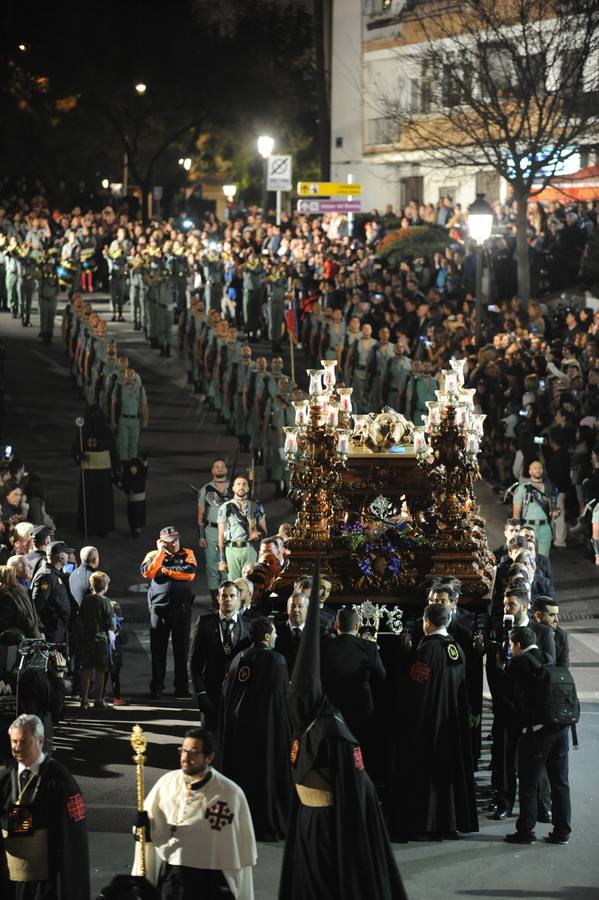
210 499
50 593
240 522
532 505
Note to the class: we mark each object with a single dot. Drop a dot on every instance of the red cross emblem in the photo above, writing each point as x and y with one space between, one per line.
76 808
219 815
420 672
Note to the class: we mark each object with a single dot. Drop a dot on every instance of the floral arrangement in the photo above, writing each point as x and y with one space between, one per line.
381 548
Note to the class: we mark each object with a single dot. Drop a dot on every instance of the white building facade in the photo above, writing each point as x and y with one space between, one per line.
368 63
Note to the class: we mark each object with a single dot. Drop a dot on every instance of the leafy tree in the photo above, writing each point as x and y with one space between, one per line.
510 85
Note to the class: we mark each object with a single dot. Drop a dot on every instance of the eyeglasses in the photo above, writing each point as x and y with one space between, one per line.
183 750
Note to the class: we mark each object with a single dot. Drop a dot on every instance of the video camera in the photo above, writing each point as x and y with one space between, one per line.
35 654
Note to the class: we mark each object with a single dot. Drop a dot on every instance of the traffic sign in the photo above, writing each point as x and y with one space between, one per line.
278 177
328 189
313 207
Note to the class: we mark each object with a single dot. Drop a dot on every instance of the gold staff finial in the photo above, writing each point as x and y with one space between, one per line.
139 744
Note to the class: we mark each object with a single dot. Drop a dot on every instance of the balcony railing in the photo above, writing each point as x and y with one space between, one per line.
382 131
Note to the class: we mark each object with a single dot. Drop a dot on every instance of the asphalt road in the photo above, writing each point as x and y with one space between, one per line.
182 439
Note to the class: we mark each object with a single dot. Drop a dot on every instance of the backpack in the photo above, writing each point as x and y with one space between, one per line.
555 699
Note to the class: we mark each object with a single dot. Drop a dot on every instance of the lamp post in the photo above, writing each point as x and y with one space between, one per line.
265 148
480 223
229 190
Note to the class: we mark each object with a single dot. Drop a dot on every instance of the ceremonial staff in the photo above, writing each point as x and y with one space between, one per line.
139 744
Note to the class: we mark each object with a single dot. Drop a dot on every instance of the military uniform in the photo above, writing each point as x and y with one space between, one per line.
245 378
13 275
382 356
238 523
230 374
279 414
535 511
211 499
130 407
395 382
136 290
362 354
164 317
48 302
421 388
333 339
252 283
277 291
213 282
117 274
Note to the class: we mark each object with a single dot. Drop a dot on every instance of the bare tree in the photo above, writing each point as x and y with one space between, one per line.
510 85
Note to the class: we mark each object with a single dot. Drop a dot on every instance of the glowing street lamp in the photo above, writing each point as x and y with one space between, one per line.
141 88
105 183
265 147
480 223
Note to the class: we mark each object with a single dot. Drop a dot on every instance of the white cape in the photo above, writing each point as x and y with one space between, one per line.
216 832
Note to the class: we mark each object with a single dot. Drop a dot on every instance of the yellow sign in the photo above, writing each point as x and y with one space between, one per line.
328 189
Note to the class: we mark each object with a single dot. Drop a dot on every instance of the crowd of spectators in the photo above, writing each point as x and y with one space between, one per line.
536 372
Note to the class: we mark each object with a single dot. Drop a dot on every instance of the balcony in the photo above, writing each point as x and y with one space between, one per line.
382 131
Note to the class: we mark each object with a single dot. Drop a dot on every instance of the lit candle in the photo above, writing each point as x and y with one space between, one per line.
290 440
472 442
458 367
477 421
332 415
329 372
359 423
316 387
450 382
419 440
345 399
343 442
301 408
467 396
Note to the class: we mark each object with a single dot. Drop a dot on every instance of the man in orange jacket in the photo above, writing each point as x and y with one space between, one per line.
170 570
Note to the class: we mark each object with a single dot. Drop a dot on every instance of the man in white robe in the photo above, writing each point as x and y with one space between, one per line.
201 837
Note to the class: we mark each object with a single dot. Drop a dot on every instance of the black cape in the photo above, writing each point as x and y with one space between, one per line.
255 737
58 807
339 852
99 502
432 782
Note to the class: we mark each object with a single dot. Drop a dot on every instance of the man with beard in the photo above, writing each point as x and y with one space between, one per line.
432 785
210 499
200 840
254 713
337 844
240 521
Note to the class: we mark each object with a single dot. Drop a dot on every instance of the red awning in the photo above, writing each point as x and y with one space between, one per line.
581 185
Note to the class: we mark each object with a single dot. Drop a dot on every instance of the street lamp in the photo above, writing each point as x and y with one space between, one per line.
105 183
141 88
185 163
229 190
265 147
480 223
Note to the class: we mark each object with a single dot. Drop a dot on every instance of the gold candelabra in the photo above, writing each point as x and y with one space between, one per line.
139 744
316 449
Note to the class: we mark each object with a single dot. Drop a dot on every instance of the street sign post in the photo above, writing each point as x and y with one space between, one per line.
328 189
278 173
314 207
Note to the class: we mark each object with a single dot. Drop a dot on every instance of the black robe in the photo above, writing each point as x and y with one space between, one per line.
338 852
255 737
58 807
99 503
432 782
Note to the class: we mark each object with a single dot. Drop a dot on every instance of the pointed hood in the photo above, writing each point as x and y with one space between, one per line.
312 717
305 690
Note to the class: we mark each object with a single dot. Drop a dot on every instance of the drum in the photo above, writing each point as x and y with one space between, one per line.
66 273
88 259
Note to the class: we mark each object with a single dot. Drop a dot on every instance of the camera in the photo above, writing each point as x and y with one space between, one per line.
6 453
523 412
538 440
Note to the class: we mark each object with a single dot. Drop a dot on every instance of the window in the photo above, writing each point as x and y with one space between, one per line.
382 131
496 70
